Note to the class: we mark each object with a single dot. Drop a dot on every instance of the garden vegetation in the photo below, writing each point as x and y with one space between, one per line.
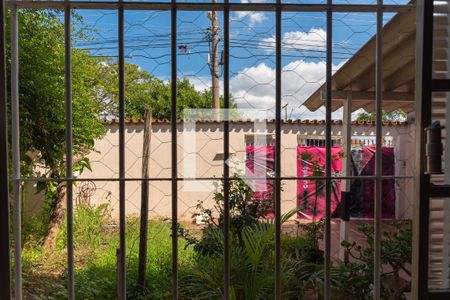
42 134
252 257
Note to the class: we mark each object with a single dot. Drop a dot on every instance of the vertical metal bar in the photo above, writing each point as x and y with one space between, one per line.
226 152
278 151
424 54
347 165
174 153
15 139
378 154
5 264
122 221
69 145
327 237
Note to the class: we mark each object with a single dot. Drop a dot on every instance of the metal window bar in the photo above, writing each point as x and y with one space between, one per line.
207 178
278 152
122 222
226 154
174 153
327 233
15 143
378 154
196 6
226 7
5 264
69 154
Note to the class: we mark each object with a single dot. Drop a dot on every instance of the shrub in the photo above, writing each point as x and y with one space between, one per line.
396 250
244 211
252 249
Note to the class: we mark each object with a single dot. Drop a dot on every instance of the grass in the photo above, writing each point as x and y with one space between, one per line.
252 267
96 240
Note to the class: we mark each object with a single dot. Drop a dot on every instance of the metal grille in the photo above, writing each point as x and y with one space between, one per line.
120 8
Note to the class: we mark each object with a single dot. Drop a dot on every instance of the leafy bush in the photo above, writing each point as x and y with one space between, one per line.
201 262
244 212
252 267
396 250
305 245
88 226
252 249
252 256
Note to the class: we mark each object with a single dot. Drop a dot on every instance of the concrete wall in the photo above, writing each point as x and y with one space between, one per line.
208 151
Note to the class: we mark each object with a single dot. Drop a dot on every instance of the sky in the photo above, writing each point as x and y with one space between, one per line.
252 45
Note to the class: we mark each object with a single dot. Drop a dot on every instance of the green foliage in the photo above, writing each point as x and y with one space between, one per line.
396 251
305 245
243 212
201 274
396 115
252 249
87 226
145 91
96 239
252 266
42 94
252 258
94 93
34 228
350 281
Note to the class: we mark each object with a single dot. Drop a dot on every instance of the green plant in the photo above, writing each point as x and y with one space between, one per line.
88 226
396 115
244 211
252 266
396 249
96 239
305 245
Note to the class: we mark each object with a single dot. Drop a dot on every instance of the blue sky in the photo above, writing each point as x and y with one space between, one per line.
252 69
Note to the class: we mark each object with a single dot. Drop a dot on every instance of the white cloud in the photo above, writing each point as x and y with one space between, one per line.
254 87
314 39
253 17
202 83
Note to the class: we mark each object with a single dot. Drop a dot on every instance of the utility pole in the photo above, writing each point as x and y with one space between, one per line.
213 32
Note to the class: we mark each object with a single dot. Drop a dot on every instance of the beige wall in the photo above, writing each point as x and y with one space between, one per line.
209 146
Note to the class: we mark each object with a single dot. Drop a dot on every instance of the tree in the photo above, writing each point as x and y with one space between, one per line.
94 94
42 104
396 115
145 91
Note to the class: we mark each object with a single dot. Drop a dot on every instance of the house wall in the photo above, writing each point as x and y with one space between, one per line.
207 153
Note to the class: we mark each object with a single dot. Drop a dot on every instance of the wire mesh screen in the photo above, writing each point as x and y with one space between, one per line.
184 150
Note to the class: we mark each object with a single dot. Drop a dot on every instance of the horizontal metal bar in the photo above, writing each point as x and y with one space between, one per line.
194 6
208 178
